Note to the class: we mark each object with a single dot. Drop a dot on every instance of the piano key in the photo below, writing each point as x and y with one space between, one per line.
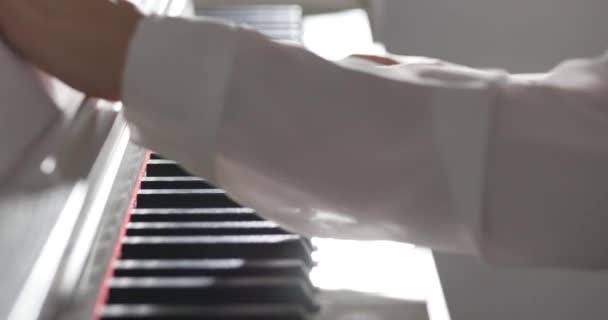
174 183
194 214
212 267
160 161
200 247
203 228
177 178
183 198
211 291
196 312
165 170
154 156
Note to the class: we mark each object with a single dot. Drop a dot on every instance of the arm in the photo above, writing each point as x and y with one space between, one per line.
199 82
509 168
331 150
546 175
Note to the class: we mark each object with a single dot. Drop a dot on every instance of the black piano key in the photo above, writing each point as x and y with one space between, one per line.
196 312
210 290
194 214
184 198
175 183
201 247
212 268
210 228
203 228
161 168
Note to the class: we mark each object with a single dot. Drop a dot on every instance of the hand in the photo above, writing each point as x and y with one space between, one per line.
82 42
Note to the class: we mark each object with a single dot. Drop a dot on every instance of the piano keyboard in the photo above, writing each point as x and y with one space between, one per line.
190 252
187 250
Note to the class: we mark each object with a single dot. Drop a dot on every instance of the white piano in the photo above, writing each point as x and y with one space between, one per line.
66 198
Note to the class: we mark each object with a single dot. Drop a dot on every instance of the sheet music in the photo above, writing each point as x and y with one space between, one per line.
26 108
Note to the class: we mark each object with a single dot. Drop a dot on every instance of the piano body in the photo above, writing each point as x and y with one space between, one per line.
73 246
95 227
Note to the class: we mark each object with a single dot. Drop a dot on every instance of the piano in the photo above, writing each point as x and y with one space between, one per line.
93 226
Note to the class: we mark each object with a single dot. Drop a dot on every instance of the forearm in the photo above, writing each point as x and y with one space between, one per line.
174 87
419 152
325 149
546 178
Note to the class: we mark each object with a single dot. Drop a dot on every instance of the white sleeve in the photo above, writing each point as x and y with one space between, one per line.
344 150
546 199
174 87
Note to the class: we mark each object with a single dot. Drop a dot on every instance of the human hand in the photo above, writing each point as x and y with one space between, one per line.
82 42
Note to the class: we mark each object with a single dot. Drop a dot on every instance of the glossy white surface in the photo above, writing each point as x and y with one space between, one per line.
52 149
377 280
26 109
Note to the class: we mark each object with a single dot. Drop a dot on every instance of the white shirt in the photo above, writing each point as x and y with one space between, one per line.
508 167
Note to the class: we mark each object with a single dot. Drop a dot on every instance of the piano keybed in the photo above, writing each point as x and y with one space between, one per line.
190 252
185 251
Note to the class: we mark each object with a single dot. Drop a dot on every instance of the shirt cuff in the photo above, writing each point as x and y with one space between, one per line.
175 80
463 103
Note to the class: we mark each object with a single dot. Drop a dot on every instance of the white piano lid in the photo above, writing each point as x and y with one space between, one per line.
26 108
